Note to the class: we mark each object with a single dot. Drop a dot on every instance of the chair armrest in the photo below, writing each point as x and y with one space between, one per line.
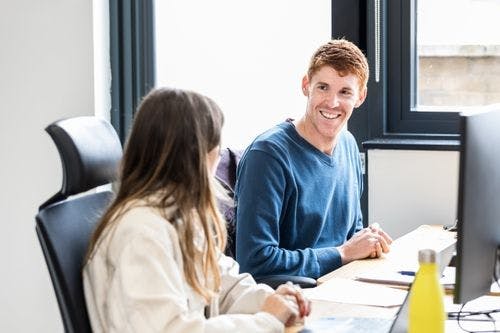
275 280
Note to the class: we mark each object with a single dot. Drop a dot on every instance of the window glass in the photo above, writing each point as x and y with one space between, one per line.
458 54
249 56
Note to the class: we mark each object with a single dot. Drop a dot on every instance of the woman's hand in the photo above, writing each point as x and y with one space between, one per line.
294 290
288 304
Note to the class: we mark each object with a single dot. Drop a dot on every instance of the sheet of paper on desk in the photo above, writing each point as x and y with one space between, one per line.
394 277
356 292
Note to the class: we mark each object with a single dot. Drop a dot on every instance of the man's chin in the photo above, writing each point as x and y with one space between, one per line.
332 133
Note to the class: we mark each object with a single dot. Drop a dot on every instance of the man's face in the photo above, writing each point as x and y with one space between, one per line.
331 100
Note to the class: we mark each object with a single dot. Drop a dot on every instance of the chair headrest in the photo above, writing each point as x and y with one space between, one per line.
90 152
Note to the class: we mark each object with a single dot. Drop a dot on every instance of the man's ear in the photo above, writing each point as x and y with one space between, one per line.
362 97
305 85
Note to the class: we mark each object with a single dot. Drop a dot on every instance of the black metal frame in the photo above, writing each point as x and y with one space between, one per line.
388 111
403 119
132 53
349 21
387 119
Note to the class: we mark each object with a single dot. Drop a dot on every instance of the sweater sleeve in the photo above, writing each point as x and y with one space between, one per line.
260 198
239 292
149 294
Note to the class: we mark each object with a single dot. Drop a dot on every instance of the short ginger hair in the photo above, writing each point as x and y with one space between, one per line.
343 56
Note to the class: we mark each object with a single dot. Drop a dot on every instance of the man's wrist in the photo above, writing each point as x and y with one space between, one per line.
342 254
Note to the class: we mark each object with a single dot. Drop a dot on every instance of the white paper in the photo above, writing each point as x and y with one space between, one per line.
356 292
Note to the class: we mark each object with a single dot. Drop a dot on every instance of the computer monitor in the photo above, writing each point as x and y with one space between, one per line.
478 225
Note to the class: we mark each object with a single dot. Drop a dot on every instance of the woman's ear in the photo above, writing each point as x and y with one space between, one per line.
213 158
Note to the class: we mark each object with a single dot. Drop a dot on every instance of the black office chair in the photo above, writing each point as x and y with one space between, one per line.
90 152
226 174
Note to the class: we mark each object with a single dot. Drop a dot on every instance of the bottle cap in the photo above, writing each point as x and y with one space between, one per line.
426 256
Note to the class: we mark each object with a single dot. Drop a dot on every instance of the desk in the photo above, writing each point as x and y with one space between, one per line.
404 251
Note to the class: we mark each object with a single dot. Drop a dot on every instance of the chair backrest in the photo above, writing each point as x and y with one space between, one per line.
90 152
226 175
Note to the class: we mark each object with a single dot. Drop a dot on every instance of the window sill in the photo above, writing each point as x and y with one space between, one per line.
412 144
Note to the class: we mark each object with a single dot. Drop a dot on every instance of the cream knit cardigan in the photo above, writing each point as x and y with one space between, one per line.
134 282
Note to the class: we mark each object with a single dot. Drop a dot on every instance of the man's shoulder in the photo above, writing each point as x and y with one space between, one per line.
272 146
277 136
348 140
348 136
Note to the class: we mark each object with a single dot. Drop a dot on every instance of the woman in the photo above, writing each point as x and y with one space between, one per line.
155 261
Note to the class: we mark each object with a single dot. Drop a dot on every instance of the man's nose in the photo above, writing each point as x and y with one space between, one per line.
333 101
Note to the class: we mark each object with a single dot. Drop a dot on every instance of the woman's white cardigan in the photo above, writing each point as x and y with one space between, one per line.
134 282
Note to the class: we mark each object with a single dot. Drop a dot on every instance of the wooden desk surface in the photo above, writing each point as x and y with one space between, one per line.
404 250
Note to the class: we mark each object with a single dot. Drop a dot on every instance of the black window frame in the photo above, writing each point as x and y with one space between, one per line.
387 116
399 26
387 112
386 119
132 56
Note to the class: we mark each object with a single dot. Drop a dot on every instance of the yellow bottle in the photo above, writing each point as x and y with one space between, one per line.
426 308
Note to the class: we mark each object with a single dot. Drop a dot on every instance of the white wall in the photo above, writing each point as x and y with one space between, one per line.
410 188
46 73
249 56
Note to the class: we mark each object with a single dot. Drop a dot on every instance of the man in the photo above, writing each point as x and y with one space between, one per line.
299 184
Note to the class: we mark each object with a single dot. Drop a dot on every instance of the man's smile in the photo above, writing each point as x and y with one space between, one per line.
330 115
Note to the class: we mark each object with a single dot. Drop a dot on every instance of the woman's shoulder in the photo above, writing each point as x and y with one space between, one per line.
143 219
139 222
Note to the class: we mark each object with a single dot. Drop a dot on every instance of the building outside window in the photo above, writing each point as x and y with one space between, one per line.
459 54
436 58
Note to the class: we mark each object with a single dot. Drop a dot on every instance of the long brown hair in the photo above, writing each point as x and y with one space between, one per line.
166 158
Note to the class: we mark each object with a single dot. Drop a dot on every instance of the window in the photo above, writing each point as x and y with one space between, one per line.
430 67
398 84
249 56
458 62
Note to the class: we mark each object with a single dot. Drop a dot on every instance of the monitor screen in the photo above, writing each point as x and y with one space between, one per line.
478 212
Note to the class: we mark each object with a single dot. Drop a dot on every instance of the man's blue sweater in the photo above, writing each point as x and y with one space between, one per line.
295 204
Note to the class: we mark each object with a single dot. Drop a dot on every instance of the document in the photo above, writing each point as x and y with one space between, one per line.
356 292
404 277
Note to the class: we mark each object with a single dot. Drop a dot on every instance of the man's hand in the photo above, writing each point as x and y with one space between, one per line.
375 227
369 242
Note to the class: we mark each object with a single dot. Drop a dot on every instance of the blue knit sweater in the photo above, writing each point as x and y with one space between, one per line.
294 203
